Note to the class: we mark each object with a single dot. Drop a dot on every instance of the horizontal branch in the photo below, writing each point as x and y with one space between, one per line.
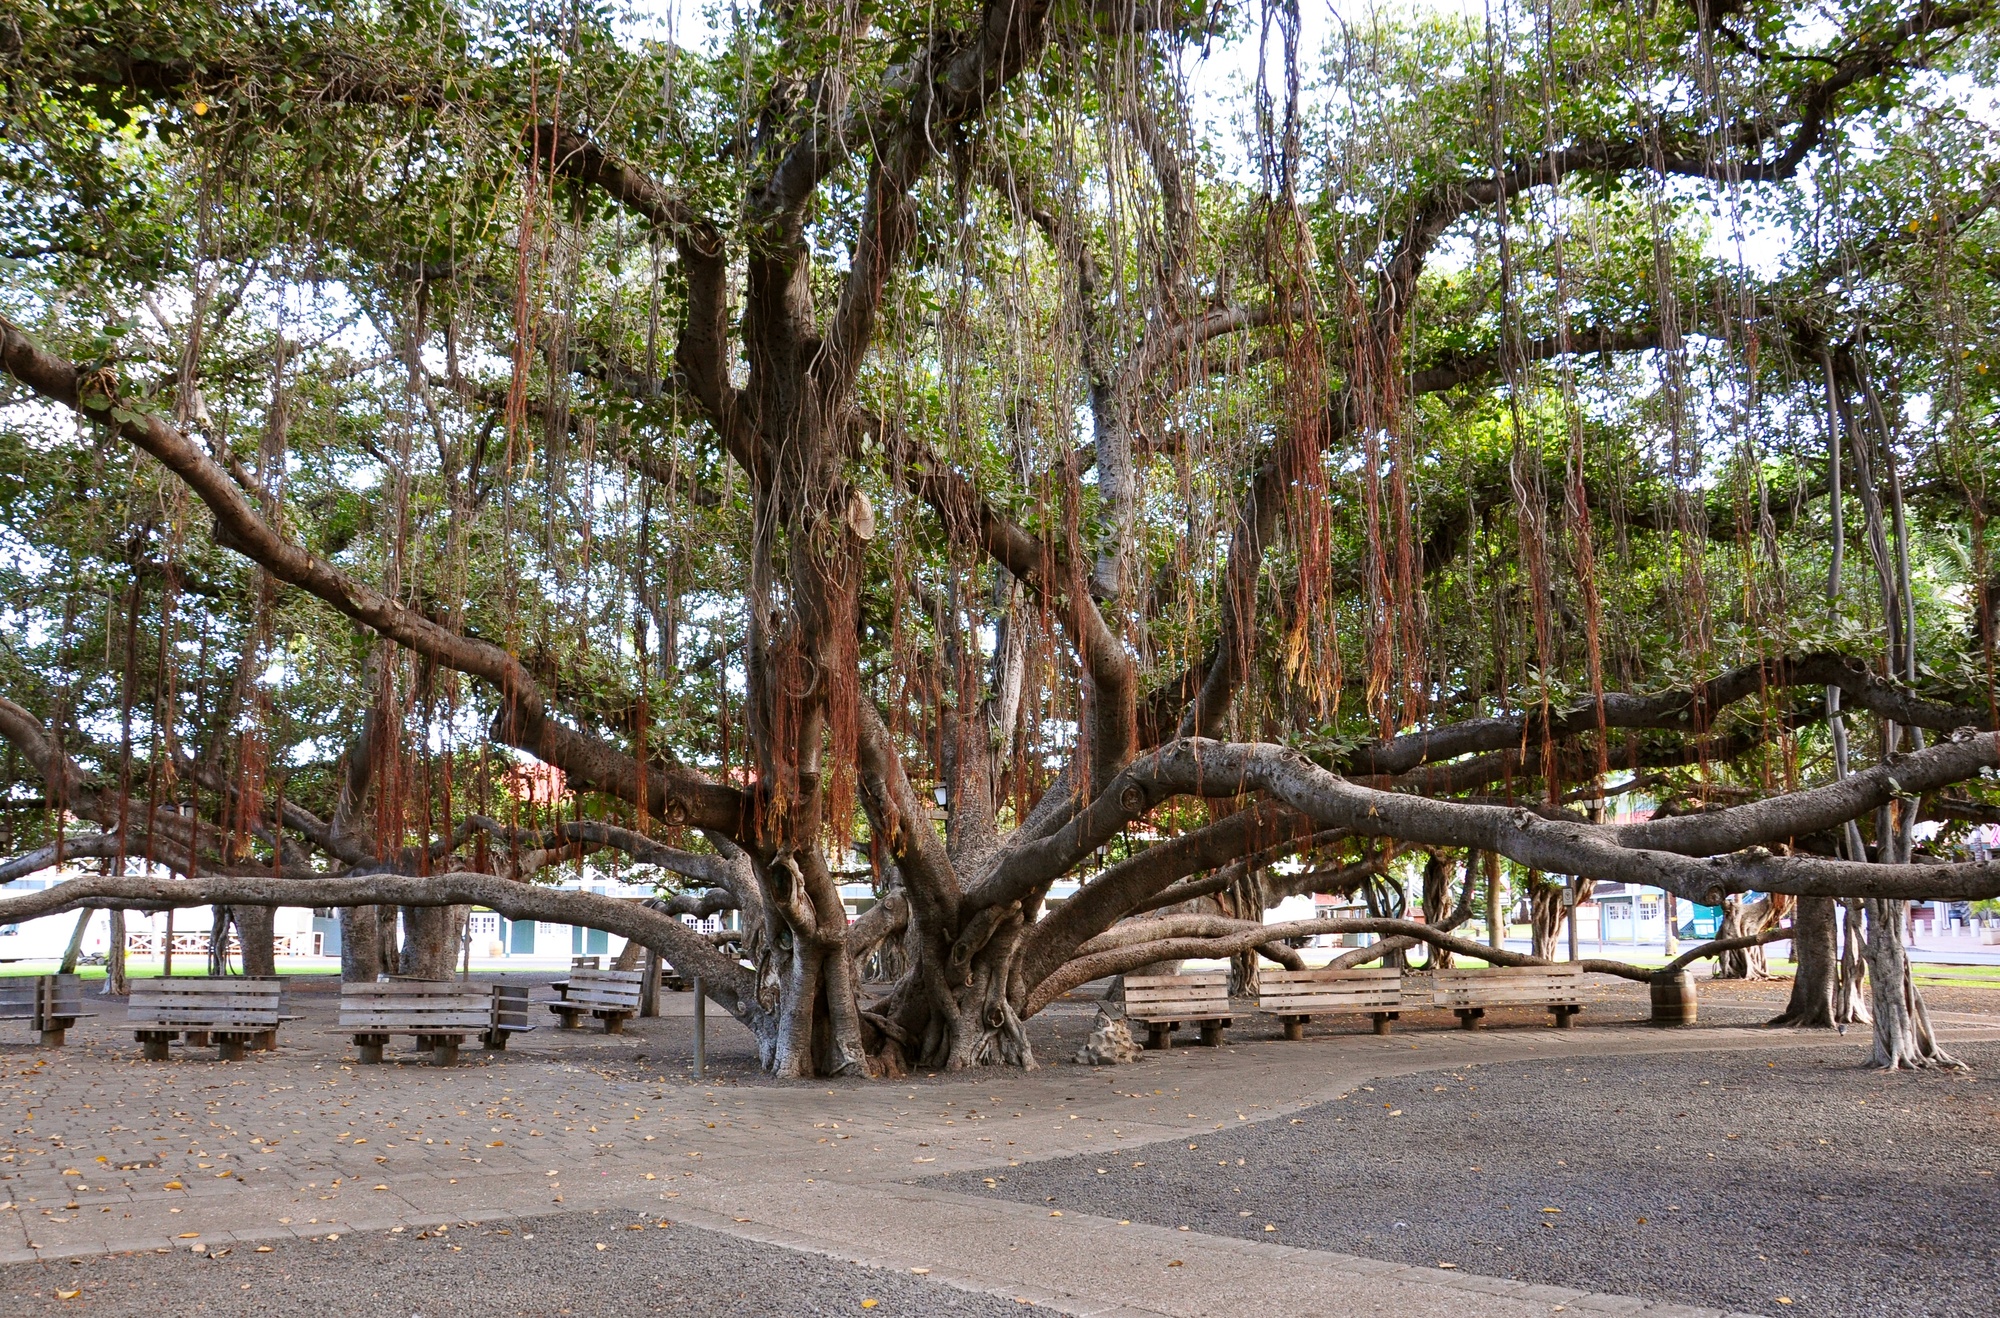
1680 855
730 984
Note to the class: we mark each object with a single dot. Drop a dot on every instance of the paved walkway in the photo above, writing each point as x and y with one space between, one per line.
108 1153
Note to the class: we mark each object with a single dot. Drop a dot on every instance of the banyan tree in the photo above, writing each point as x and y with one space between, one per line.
1170 453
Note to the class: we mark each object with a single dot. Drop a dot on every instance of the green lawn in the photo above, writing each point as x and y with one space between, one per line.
149 967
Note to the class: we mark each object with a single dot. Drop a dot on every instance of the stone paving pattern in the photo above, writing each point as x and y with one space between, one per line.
102 1153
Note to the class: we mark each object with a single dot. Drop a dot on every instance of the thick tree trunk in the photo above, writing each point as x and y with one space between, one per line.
1816 950
1850 1006
1904 1039
430 941
360 944
1545 912
257 927
1738 919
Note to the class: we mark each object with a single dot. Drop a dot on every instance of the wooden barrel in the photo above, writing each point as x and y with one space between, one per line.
1674 999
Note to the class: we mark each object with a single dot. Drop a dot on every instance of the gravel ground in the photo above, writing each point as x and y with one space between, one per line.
545 1266
1793 1182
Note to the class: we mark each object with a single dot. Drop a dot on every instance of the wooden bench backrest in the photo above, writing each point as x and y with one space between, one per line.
1305 991
19 995
609 990
204 1004
408 1006
510 1007
1502 986
62 996
1177 997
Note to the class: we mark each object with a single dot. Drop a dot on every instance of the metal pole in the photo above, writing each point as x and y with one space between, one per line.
1572 919
700 1030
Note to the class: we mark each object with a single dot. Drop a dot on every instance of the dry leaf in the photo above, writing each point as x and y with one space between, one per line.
68 1295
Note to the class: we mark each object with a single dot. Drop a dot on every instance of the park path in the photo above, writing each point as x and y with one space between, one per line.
106 1153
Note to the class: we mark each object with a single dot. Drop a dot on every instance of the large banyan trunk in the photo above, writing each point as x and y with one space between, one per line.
1904 1039
257 926
1738 920
430 941
1816 949
360 943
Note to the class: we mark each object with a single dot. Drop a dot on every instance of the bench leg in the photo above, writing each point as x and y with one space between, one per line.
1384 1021
614 1023
568 1020
496 1040
369 1046
153 1046
1564 1015
1295 1028
1468 1017
53 1037
444 1052
266 1041
229 1047
197 1038
1158 1037
1211 1033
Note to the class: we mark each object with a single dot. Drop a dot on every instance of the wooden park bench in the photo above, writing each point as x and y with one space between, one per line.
438 1013
50 1003
510 1013
610 995
1470 992
1294 996
230 1011
1163 1003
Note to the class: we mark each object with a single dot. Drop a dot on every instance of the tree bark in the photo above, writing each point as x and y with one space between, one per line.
256 926
1740 918
1851 991
1545 912
75 948
114 958
1816 951
360 944
1904 1039
430 941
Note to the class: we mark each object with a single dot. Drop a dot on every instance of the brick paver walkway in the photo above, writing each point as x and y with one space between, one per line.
102 1152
